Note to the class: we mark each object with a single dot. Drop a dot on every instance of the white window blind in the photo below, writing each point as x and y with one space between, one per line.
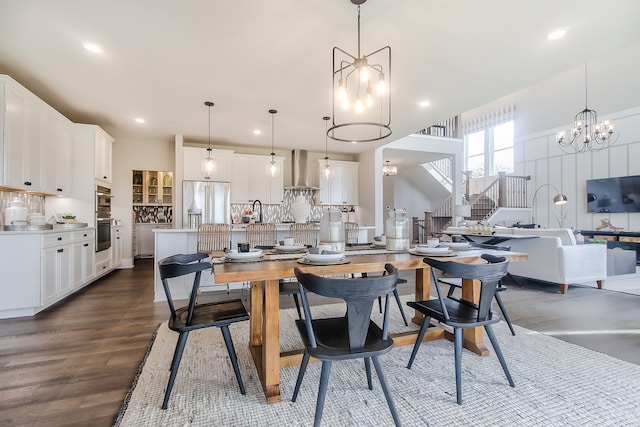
489 120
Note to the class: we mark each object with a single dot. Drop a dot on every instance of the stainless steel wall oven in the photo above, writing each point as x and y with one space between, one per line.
103 218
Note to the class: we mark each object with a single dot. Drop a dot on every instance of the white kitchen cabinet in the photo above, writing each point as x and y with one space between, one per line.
20 266
193 157
35 142
23 133
116 246
41 268
83 252
145 239
56 267
341 188
103 155
250 181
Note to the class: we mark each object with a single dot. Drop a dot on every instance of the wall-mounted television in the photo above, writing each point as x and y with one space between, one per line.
621 194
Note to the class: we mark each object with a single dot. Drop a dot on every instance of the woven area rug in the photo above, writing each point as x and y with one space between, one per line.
557 384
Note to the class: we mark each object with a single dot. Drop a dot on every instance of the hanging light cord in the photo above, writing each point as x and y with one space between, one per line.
209 104
326 127
273 112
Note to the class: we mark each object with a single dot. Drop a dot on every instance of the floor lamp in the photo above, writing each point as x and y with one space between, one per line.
559 199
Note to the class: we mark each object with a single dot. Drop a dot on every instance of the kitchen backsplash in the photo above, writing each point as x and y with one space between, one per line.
152 214
282 212
33 203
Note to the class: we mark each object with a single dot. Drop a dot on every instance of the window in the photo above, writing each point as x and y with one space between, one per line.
490 151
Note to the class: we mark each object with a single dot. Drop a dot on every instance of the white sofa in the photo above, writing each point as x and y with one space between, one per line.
553 256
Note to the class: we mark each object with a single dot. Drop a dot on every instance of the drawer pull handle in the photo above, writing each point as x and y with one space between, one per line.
27 183
85 245
59 238
60 250
59 189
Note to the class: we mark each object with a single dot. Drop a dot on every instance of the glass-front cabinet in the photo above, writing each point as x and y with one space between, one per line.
152 188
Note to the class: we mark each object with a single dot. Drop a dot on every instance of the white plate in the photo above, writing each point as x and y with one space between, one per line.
431 251
324 257
457 245
252 254
294 248
378 243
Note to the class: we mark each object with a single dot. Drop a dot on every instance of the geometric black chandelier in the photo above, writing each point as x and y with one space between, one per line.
361 94
587 133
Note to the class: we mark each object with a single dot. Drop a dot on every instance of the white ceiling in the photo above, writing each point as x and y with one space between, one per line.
163 58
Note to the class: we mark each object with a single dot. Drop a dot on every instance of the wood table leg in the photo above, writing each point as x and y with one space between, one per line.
423 287
473 337
255 321
271 341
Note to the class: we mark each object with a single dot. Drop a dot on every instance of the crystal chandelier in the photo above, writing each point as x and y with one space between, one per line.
208 166
361 95
388 170
587 133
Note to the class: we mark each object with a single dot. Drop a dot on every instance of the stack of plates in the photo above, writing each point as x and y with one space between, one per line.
458 246
252 254
293 248
423 249
324 257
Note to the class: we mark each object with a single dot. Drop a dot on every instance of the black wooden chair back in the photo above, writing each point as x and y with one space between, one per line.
488 274
359 294
181 265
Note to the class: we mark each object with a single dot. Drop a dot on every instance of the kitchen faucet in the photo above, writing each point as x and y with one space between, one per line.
253 208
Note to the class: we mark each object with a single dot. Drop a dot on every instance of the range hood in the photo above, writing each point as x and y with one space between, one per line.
300 171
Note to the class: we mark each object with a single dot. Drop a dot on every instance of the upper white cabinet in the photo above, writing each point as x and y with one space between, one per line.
102 155
35 142
193 157
341 188
250 181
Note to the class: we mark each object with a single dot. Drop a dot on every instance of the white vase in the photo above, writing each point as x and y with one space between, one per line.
300 209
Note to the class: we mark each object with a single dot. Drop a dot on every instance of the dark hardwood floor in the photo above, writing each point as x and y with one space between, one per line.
73 364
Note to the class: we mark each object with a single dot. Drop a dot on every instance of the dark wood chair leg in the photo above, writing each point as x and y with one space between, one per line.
404 318
416 346
503 310
303 368
385 389
232 355
496 348
175 364
367 366
322 391
457 338
297 302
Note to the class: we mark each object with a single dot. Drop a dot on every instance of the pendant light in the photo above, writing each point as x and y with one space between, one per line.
208 166
273 168
326 169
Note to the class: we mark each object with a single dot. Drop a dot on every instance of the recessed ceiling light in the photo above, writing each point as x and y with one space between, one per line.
424 104
257 132
557 34
139 120
91 47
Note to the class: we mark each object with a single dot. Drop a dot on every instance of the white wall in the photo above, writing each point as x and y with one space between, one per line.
548 107
134 154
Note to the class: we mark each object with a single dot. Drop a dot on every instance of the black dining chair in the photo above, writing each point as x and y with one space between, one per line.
197 316
353 336
456 283
461 314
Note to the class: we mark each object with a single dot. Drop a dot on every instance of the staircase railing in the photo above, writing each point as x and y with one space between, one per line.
505 191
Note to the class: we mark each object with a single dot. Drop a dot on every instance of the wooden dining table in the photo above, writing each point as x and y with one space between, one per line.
264 340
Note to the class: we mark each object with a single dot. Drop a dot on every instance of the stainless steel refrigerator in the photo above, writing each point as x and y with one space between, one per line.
205 202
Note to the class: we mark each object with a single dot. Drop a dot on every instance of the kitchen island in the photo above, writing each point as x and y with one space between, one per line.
184 241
